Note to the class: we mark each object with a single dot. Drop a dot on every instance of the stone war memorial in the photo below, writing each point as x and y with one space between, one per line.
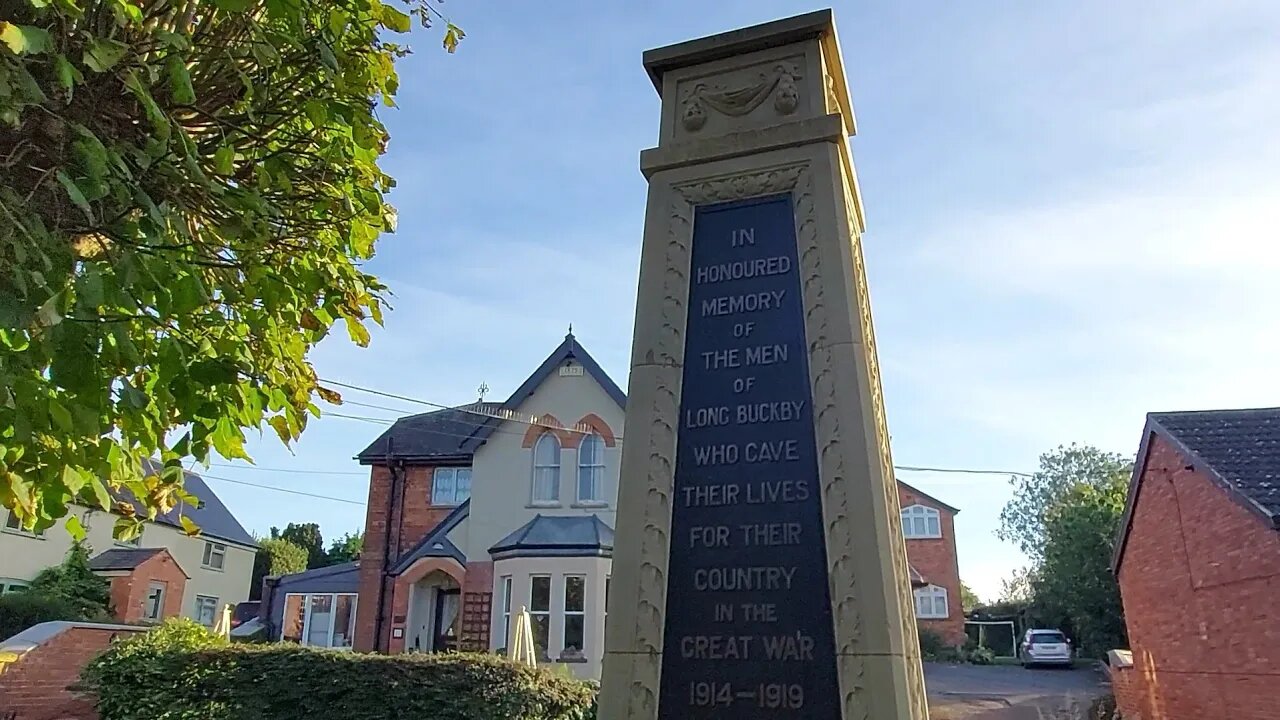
759 567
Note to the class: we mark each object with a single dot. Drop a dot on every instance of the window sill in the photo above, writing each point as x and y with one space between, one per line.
210 568
548 504
921 537
933 617
24 533
572 660
593 504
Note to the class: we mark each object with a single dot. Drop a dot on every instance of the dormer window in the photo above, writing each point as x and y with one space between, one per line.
919 521
591 469
546 469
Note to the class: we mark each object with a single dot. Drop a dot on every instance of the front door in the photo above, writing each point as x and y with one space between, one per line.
448 619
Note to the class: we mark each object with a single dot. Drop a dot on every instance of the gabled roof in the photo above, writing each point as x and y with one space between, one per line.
122 558
557 535
320 572
456 433
436 543
1239 450
213 518
930 498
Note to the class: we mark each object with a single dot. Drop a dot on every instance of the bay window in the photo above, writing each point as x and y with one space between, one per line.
319 619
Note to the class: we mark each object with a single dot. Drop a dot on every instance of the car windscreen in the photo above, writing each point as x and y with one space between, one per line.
1048 637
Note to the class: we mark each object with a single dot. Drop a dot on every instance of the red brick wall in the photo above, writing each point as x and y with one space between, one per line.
129 592
1199 578
410 521
937 561
1125 688
35 687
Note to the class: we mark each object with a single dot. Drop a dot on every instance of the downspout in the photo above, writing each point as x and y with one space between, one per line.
386 553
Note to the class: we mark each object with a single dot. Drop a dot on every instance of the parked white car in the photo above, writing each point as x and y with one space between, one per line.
1045 647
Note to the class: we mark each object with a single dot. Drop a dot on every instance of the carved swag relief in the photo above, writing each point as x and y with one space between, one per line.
779 82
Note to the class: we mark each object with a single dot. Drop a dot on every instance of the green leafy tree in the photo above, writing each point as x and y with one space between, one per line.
1075 578
306 536
1022 521
346 548
968 599
75 583
275 556
188 191
1018 587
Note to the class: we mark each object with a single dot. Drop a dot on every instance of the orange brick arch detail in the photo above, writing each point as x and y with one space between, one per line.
592 423
548 423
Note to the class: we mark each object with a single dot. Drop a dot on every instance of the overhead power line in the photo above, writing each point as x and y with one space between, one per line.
260 486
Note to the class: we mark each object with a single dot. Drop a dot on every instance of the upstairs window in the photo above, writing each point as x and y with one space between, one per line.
591 469
931 603
14 525
450 486
546 469
215 556
919 521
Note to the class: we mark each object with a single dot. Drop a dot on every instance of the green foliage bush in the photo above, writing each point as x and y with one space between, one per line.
21 610
931 644
77 585
275 556
180 676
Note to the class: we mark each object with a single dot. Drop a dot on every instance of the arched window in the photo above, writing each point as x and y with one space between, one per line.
931 603
546 469
591 469
919 521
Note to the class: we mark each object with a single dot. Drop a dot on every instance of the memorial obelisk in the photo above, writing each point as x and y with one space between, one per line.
759 569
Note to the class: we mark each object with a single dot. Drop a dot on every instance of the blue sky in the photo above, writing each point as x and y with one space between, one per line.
1071 221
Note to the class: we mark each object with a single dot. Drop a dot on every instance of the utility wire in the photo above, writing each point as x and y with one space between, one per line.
260 486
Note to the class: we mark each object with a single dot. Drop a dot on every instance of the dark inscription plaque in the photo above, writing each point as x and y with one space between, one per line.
748 627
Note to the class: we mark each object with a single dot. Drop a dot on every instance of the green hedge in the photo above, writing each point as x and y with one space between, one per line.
20 610
186 678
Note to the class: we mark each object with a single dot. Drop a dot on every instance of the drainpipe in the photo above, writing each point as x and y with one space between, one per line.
380 622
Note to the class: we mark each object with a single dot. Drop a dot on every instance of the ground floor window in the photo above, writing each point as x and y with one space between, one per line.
206 610
8 586
319 619
931 602
540 613
575 615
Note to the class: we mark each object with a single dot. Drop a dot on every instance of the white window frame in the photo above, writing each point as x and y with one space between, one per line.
154 608
507 585
927 599
550 469
566 613
455 495
921 522
136 542
595 469
8 585
211 550
546 614
207 602
17 529
305 599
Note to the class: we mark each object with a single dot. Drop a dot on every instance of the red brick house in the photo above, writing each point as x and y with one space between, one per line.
928 525
1198 561
478 510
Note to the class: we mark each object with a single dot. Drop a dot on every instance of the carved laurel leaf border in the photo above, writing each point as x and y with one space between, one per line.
796 179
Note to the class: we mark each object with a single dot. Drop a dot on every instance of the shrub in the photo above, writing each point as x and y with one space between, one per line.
21 610
75 583
980 656
931 644
179 677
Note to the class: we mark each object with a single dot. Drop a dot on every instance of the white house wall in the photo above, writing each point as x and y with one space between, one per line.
502 487
23 556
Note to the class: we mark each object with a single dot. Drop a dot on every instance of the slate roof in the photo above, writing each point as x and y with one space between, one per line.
436 543
558 535
456 433
122 558
1238 449
213 518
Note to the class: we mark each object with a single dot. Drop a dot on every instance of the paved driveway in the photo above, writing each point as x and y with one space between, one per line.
998 692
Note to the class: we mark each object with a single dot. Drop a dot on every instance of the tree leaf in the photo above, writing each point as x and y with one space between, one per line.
452 36
75 528
77 197
180 81
189 527
394 20
68 74
61 415
72 479
101 496
224 159
359 334
25 39
100 55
